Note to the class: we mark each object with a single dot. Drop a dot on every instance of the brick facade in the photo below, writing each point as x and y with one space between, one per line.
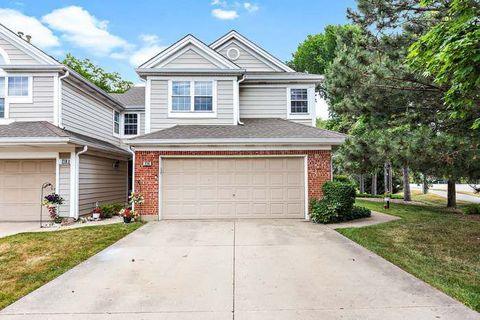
146 177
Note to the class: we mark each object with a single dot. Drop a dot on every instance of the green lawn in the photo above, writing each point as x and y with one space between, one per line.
29 260
440 247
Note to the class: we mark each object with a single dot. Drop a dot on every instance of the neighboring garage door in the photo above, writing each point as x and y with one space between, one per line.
20 184
212 188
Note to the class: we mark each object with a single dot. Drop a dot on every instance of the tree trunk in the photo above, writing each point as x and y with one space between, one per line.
374 184
385 178
425 184
407 196
362 183
451 194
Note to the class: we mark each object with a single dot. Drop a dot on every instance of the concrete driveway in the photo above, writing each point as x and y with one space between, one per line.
236 270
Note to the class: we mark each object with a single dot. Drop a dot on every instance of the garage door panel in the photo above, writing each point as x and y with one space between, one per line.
20 188
233 187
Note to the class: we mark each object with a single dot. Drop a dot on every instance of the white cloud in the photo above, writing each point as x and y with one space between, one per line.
222 3
151 47
250 7
82 29
225 14
17 21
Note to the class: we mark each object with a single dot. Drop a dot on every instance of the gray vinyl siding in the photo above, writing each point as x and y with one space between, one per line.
85 115
159 106
142 123
42 107
263 102
247 60
190 60
16 55
100 182
64 186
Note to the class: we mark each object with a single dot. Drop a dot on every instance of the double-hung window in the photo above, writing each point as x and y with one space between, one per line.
130 124
2 97
192 97
298 101
116 122
18 86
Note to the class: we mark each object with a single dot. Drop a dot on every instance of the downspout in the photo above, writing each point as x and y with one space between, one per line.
77 179
237 107
67 73
132 151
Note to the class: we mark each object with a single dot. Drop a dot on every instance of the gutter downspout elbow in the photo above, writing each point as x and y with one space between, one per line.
238 100
67 73
77 180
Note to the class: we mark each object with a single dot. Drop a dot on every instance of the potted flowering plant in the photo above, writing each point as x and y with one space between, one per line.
51 202
128 214
96 213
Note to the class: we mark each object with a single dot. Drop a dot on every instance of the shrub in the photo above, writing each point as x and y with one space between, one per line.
111 209
337 204
360 212
341 178
472 209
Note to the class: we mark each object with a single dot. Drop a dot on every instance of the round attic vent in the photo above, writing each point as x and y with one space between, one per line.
233 53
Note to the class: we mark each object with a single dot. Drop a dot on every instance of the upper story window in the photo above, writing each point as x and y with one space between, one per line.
299 101
195 98
116 122
130 124
2 97
181 96
18 86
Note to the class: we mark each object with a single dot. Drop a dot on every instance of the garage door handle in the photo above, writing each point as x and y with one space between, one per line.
233 194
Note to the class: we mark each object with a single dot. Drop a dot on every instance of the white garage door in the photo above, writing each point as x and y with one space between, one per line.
212 188
20 184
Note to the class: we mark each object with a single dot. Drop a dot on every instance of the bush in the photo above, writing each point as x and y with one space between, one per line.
359 212
110 210
472 209
337 204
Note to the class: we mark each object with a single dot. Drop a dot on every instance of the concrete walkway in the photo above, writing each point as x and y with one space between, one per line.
236 270
11 228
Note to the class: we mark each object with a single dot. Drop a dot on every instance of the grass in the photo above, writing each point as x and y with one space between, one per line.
29 260
432 199
438 246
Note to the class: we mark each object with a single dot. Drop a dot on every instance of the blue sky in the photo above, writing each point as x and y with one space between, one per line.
120 34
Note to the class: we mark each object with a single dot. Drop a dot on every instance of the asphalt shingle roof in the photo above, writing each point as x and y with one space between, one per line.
135 96
257 128
44 129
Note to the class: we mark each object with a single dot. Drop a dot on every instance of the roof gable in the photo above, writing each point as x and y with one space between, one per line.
21 52
189 45
253 49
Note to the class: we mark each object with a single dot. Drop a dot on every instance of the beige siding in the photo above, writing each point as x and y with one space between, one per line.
85 115
100 181
159 106
142 123
263 102
247 59
42 107
15 54
190 59
64 186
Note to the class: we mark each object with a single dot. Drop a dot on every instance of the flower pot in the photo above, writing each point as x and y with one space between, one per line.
127 219
96 215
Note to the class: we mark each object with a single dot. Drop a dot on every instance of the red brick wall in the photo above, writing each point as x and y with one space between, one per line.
146 178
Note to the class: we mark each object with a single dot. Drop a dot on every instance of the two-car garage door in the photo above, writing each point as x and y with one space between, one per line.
20 188
212 188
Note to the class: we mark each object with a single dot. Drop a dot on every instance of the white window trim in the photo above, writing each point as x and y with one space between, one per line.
20 99
119 124
311 103
5 56
192 113
4 119
123 124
